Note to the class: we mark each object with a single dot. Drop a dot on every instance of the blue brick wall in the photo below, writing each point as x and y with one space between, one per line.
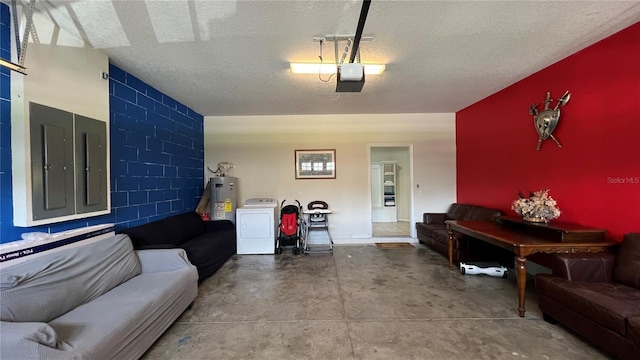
157 153
6 199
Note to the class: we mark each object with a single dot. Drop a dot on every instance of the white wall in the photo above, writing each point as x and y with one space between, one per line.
262 149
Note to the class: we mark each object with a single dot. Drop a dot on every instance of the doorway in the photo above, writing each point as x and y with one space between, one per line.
391 199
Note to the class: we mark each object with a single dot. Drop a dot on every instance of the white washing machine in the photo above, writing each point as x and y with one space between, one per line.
256 224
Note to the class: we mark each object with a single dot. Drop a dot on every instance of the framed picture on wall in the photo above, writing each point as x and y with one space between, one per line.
315 164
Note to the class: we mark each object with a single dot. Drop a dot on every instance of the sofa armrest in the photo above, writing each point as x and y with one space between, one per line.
592 267
161 260
219 225
434 218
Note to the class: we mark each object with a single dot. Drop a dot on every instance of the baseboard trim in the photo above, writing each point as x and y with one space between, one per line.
373 240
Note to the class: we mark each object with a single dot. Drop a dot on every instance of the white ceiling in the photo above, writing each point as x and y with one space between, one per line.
232 57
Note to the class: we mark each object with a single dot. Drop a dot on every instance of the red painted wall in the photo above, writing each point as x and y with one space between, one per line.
595 176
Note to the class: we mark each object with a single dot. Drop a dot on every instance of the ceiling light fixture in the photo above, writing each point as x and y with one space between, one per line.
328 68
351 74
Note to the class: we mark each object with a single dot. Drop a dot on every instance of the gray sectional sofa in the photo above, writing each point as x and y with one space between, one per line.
96 300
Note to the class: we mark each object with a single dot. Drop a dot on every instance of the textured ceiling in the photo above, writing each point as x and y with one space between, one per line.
232 57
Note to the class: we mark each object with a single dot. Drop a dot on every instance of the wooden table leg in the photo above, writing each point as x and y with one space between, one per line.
521 279
450 249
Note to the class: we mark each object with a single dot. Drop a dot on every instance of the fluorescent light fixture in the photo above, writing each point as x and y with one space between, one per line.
15 67
328 68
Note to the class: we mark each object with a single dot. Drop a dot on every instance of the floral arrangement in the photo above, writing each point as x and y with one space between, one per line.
539 206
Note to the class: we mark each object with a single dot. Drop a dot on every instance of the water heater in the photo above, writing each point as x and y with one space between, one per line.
224 195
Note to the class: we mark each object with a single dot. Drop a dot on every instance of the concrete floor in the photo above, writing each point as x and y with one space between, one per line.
361 303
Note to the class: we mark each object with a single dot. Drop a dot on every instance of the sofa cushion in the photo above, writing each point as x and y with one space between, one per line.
608 304
202 248
208 252
633 329
593 267
627 268
144 307
428 229
442 236
47 286
478 213
174 230
434 218
458 211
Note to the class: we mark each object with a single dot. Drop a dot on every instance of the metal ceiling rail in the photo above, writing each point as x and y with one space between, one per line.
363 17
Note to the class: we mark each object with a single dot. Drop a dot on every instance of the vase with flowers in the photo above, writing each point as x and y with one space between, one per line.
538 207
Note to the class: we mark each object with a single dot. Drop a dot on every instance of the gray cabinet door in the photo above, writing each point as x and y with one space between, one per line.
52 170
91 163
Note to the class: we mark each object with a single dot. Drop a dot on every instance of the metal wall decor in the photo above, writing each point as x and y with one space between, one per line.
546 120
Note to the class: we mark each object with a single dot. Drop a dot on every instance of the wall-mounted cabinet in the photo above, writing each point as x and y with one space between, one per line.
384 191
68 163
60 135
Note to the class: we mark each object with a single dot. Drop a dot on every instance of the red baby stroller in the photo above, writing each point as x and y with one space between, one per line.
290 232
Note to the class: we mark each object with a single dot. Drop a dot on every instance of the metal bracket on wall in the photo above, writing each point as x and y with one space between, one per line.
21 47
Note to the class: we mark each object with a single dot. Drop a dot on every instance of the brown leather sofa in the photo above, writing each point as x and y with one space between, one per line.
597 295
433 233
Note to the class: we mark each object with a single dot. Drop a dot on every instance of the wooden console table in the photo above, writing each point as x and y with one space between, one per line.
523 242
554 230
